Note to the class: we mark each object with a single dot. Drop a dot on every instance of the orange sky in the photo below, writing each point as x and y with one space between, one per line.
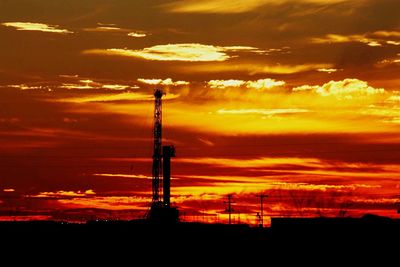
298 99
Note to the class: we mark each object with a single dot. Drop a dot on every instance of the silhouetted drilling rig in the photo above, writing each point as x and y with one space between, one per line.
161 210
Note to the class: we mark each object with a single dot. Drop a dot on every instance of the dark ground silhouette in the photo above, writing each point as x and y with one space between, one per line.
334 236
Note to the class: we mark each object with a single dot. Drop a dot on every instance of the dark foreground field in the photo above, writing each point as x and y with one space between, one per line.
131 238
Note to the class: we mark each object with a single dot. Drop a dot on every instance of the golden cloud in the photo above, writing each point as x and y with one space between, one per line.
105 29
192 52
254 68
328 70
264 84
28 87
374 39
268 112
228 6
253 163
346 89
114 28
389 61
110 203
389 34
167 81
89 84
137 34
123 175
393 42
30 26
9 190
61 194
117 87
126 96
225 83
259 84
393 99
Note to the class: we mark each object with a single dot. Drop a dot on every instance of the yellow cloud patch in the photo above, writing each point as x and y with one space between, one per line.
225 83
253 68
264 84
137 34
127 96
167 81
123 175
9 190
228 6
30 26
268 112
346 88
328 70
191 52
374 39
259 84
60 194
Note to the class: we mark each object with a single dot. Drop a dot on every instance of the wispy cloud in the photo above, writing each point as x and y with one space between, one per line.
64 194
253 163
192 52
268 112
225 83
328 70
30 26
167 81
258 84
137 34
92 85
114 28
374 39
126 96
229 6
123 175
388 61
346 88
28 87
9 190
254 68
264 84
105 29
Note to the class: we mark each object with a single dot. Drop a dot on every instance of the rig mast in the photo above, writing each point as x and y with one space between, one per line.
157 149
161 210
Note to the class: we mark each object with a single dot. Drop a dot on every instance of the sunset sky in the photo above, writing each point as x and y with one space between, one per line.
297 99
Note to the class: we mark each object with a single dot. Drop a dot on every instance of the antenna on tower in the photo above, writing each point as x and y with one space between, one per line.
261 218
229 209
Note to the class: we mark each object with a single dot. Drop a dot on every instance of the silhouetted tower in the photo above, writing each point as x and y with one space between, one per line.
229 209
262 208
157 157
161 210
168 152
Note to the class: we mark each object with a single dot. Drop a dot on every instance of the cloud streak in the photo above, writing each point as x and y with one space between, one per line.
268 112
258 84
167 82
254 68
41 27
191 52
374 39
230 6
346 88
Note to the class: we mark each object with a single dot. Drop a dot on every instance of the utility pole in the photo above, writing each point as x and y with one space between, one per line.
261 196
229 209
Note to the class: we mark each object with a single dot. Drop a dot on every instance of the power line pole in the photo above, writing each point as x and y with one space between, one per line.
261 196
229 209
